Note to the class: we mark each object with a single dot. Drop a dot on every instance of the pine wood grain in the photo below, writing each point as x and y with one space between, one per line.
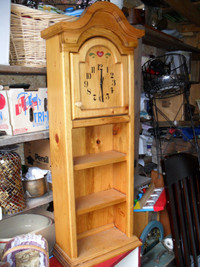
91 247
99 200
94 160
92 143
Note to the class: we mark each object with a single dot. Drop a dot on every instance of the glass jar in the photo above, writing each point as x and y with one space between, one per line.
11 190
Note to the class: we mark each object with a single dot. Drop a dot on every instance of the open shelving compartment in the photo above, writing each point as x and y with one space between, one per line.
102 187
100 184
102 191
101 181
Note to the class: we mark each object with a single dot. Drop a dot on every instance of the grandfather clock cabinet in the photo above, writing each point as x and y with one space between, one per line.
90 79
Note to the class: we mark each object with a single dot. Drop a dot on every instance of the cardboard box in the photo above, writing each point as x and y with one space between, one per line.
37 154
28 110
4 113
172 108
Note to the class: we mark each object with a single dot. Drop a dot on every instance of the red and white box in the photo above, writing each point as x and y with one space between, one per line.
4 113
25 111
28 110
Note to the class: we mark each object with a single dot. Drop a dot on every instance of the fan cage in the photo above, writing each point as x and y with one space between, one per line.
165 76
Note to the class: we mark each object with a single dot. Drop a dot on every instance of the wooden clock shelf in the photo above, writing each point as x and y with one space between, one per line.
99 159
99 200
91 86
92 246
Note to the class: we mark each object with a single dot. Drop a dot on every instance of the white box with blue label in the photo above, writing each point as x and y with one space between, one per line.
4 113
28 110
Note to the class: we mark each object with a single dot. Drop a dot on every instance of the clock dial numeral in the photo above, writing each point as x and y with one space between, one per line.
107 96
113 82
89 91
100 79
100 66
85 83
104 74
88 76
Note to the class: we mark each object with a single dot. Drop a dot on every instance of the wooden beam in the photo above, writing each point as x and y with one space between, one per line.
161 40
186 9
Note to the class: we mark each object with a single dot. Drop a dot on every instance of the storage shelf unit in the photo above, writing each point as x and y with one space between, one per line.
159 39
32 203
6 140
15 70
92 246
92 140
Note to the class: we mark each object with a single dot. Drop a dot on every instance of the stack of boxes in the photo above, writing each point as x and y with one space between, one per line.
23 111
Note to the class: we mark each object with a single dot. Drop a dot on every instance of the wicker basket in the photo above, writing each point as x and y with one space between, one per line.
27 48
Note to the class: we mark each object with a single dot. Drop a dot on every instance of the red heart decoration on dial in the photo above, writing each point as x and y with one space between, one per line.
100 53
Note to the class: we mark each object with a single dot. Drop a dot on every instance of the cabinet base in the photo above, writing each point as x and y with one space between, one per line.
98 248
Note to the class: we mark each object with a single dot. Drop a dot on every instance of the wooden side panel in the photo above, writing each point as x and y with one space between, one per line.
137 96
130 150
60 138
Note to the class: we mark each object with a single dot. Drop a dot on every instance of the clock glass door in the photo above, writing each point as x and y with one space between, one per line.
99 80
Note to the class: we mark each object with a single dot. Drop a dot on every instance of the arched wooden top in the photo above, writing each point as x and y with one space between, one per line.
100 19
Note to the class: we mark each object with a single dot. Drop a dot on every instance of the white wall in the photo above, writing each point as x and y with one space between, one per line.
4 31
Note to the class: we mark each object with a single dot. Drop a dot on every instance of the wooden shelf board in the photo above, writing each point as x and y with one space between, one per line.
7 69
35 202
100 121
99 200
162 40
179 124
99 247
98 159
21 138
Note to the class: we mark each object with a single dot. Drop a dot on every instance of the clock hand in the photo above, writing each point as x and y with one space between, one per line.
101 85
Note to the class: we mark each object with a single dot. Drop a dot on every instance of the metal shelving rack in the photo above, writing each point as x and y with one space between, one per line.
21 138
164 77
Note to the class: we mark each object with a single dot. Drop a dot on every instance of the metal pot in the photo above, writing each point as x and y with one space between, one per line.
35 188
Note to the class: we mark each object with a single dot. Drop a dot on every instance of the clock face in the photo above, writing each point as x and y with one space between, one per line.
99 80
100 83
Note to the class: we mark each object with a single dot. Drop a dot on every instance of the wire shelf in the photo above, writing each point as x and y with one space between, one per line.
165 76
